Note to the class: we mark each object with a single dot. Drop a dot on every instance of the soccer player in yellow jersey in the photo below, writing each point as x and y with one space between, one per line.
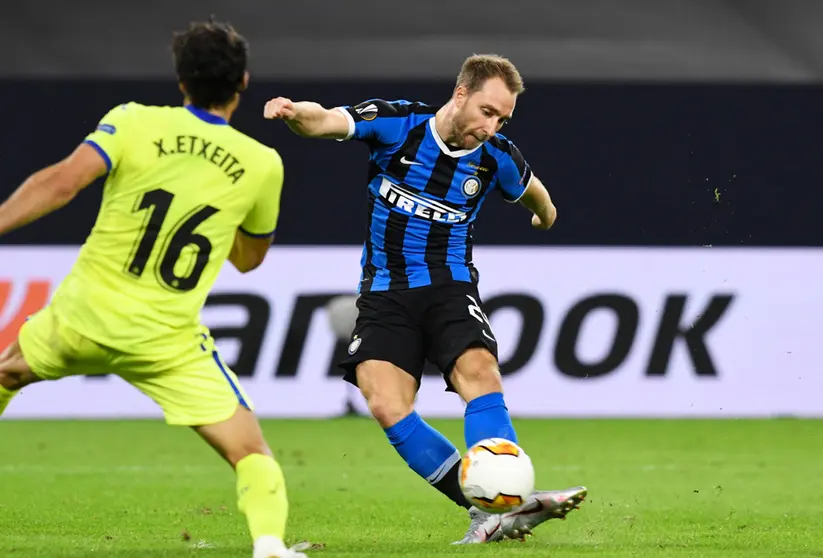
184 193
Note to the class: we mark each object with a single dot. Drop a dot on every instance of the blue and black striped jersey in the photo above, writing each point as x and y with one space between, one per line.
423 197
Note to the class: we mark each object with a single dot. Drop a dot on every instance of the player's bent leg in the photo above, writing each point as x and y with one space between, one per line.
390 393
476 378
261 486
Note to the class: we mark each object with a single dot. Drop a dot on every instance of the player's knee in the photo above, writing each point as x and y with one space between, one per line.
479 380
14 374
15 379
8 380
389 391
476 373
388 411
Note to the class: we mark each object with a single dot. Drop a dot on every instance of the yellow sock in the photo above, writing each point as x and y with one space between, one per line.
261 495
5 397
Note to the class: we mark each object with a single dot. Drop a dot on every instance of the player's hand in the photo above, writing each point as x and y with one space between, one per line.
279 108
538 223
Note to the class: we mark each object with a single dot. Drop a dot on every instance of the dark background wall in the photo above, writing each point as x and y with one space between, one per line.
637 111
627 163
427 39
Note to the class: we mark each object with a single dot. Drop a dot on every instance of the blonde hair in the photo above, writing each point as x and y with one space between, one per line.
479 68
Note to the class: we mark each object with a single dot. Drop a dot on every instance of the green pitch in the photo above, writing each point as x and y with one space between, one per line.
657 488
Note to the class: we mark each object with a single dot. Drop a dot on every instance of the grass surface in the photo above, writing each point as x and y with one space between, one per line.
656 488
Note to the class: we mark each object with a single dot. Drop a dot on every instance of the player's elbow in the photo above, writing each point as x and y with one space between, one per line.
61 183
551 214
249 252
246 266
248 262
63 196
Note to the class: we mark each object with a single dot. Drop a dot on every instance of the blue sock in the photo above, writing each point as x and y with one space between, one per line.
488 417
429 454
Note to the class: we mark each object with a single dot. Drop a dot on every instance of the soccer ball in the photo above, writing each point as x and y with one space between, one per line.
496 475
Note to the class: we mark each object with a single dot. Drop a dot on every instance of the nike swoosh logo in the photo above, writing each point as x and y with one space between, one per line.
407 162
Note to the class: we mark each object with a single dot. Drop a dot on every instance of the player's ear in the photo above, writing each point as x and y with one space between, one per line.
460 95
182 88
245 84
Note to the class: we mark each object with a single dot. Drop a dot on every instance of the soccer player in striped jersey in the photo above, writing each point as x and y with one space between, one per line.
430 171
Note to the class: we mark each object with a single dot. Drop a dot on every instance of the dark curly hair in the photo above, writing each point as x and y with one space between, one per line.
210 59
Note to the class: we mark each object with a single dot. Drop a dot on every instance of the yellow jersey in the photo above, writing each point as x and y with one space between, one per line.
181 182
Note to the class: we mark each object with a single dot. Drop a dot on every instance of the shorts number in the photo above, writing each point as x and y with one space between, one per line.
477 312
480 316
182 235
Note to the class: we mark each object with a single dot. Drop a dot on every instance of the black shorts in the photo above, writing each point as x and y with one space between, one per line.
408 327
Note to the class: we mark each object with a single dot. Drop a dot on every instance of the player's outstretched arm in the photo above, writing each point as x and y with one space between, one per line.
308 119
536 198
51 188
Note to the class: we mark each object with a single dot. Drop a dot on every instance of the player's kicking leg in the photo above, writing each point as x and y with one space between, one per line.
476 378
462 345
390 393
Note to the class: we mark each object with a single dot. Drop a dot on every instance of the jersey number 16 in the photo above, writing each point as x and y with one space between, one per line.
182 235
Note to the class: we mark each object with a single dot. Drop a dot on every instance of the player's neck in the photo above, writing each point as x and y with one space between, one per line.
442 123
224 112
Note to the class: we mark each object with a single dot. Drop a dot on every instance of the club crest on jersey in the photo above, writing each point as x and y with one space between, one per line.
471 186
420 206
367 111
354 345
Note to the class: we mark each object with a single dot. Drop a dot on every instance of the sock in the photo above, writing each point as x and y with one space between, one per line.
261 495
488 417
429 454
5 397
450 486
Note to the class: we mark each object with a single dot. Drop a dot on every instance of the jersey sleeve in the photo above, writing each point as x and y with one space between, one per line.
376 120
261 220
513 174
110 136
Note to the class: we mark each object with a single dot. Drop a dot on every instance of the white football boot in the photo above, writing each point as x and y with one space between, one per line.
518 523
269 546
